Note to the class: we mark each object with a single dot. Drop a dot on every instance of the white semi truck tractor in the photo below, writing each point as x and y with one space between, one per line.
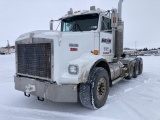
79 62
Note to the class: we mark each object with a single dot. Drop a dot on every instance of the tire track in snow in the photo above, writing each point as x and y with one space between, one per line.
141 98
33 114
11 117
128 88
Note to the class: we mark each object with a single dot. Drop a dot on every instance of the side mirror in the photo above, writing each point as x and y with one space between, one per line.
55 24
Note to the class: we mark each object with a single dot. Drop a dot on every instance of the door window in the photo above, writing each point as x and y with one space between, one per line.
106 23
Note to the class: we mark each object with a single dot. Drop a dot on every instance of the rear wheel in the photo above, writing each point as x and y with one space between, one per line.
140 66
94 93
136 68
130 71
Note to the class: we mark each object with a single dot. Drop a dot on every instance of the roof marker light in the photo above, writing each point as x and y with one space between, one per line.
93 8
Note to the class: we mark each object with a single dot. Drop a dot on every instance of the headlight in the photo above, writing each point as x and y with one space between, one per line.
73 69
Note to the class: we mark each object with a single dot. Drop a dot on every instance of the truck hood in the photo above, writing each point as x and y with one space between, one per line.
40 34
67 47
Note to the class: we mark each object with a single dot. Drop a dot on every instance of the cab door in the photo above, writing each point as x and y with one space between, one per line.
106 39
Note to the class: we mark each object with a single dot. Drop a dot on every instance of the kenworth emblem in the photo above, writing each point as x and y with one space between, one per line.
107 41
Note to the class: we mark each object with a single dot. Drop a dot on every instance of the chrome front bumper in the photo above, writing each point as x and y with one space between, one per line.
46 90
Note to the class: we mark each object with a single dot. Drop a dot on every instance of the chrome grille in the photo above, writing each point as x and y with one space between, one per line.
34 59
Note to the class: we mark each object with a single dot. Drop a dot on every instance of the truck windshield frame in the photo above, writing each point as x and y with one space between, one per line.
80 23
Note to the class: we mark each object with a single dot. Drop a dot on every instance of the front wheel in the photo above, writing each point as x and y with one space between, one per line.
94 93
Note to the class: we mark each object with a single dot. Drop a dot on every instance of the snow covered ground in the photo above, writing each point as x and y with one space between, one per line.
137 99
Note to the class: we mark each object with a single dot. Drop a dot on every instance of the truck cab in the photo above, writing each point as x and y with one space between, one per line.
94 24
78 62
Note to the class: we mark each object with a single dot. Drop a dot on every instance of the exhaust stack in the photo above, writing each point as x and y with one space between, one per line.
119 32
120 9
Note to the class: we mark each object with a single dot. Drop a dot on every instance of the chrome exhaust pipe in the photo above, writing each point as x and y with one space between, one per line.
120 10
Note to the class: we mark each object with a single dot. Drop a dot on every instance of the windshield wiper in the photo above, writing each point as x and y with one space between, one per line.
75 27
72 27
78 27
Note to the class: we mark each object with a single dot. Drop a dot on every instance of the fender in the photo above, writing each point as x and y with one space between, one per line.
104 64
86 63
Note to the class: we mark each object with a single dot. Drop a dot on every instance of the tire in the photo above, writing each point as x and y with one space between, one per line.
94 93
140 66
130 71
136 68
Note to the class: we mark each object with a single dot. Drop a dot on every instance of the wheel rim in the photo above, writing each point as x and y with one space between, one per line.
101 89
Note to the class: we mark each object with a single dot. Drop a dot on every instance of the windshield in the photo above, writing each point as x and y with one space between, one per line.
80 23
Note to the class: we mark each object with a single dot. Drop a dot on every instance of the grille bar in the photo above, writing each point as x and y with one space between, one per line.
34 59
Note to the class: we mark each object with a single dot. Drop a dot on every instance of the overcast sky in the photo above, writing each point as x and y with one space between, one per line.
141 17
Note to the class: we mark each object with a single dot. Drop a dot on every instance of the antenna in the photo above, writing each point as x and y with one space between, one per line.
135 47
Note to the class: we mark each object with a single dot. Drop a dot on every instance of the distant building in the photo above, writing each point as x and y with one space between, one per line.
7 50
129 51
132 52
136 52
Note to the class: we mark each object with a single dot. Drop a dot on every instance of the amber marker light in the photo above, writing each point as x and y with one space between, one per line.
95 52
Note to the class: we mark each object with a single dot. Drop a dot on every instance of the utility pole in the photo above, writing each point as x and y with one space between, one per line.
136 47
8 46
